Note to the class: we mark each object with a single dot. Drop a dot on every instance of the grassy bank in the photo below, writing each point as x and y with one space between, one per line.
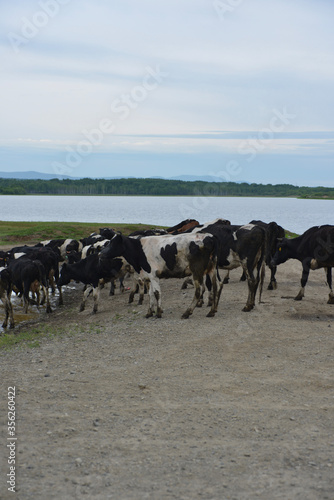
30 233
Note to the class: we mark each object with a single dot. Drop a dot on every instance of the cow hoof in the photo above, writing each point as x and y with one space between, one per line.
186 315
247 308
149 315
82 308
210 314
299 297
94 311
48 310
226 281
330 299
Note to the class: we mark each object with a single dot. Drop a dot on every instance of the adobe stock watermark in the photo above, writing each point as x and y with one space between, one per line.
225 7
31 27
122 107
249 148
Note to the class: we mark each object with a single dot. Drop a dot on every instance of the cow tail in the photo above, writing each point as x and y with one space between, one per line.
265 250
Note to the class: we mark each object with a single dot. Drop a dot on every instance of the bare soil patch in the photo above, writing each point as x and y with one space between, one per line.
239 406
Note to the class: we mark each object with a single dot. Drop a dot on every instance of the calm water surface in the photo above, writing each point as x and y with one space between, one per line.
293 214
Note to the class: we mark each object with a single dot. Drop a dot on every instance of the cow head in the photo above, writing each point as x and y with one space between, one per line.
282 252
64 277
115 248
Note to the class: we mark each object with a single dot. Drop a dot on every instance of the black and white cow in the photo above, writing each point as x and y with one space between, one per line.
314 249
29 275
91 271
74 256
240 246
91 239
5 294
62 246
156 257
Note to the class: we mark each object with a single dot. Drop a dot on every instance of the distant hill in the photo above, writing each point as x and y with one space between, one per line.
32 174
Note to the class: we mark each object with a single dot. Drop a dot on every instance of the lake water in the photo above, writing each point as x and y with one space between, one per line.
293 214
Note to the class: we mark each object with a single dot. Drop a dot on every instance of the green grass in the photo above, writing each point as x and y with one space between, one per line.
289 234
30 233
30 336
13 233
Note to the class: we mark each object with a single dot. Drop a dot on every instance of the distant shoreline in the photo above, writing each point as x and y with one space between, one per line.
158 187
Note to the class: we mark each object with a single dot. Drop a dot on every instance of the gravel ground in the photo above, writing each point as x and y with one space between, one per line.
239 406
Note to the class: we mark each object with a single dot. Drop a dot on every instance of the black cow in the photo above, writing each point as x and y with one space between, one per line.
48 257
274 232
240 246
29 275
91 271
314 249
167 256
5 293
147 232
107 232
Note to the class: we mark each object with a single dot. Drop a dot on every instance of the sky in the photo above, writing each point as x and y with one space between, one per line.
241 90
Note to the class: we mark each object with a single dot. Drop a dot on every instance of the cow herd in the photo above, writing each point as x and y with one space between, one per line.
189 250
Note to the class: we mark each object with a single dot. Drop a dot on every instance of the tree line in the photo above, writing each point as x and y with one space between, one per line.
156 187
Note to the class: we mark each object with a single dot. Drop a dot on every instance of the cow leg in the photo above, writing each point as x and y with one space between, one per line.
112 287
133 291
155 297
60 301
8 311
121 284
87 291
226 278
272 283
197 295
187 281
26 290
141 287
214 291
52 282
252 287
243 277
303 281
328 271
46 294
262 272
96 296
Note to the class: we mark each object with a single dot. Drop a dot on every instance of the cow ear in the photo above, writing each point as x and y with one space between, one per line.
280 240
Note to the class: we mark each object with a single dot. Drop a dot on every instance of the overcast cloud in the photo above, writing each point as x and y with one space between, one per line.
237 89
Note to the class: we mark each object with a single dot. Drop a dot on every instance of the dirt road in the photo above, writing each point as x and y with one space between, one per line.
239 406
